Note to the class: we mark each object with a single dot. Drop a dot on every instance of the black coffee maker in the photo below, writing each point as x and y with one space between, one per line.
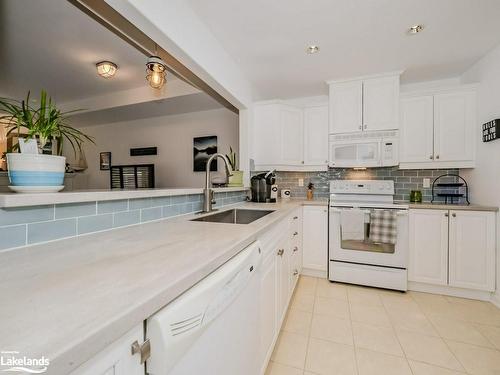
264 188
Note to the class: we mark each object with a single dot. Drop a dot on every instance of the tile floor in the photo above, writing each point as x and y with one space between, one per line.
341 329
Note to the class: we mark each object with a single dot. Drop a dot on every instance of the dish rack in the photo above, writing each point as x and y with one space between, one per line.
441 189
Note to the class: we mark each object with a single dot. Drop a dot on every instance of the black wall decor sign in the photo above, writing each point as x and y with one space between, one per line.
143 151
491 130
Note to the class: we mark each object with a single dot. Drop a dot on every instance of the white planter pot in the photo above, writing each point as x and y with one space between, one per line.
36 169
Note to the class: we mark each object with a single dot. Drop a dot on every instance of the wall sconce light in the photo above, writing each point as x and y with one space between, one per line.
106 69
155 72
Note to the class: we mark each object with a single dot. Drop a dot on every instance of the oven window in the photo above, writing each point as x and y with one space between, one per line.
368 230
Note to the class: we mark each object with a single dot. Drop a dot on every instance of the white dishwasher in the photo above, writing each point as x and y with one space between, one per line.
211 329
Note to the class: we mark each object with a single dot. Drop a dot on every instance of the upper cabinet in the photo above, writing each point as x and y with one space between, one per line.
365 104
290 138
437 129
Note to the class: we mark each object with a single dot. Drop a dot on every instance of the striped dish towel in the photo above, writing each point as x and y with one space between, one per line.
383 226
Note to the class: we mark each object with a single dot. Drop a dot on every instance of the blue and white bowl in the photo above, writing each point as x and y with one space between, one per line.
36 169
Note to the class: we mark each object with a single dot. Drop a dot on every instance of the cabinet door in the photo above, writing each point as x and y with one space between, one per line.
472 250
267 134
417 130
292 145
315 238
428 232
454 126
316 135
283 275
116 359
346 107
268 304
381 103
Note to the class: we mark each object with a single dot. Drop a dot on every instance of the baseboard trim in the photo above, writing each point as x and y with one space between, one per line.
314 273
451 291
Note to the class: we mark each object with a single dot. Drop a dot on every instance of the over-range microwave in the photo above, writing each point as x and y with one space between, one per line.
364 150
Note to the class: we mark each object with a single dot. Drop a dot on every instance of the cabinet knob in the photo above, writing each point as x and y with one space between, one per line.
446 214
302 161
295 217
431 157
295 249
144 350
295 233
326 161
281 252
454 214
366 126
360 127
295 273
437 156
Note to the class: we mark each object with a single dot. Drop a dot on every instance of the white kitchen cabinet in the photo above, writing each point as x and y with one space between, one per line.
316 135
292 144
117 358
381 103
452 248
454 126
267 134
315 238
288 138
268 307
438 129
365 104
472 250
417 130
346 107
428 258
283 277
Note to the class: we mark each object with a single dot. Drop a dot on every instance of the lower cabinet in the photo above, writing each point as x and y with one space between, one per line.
453 248
315 238
117 359
279 274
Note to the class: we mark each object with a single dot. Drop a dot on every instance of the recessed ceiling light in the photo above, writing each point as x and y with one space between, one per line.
312 49
415 29
106 69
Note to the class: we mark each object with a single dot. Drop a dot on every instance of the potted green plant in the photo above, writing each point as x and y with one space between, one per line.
38 171
236 179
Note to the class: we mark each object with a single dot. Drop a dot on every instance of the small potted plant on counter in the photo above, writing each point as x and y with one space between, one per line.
41 131
310 191
236 180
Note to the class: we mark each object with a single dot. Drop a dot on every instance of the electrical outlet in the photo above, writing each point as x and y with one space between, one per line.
301 182
427 182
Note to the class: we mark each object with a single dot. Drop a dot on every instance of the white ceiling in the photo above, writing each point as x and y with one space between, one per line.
139 111
357 37
51 44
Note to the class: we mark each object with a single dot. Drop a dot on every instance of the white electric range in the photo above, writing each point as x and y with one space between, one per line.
368 234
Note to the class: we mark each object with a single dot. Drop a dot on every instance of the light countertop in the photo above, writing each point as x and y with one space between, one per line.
69 299
27 199
458 207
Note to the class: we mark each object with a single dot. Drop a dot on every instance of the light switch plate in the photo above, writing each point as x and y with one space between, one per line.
301 182
426 182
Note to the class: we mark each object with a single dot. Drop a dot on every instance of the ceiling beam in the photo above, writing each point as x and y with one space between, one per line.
103 13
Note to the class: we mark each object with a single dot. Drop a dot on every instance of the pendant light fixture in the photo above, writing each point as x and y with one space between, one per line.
106 69
155 71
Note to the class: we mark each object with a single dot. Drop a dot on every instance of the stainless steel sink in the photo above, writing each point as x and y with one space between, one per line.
235 216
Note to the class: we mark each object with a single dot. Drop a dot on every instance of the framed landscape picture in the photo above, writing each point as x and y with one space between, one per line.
203 148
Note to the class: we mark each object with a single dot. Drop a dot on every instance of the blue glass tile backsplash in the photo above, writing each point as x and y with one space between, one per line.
35 224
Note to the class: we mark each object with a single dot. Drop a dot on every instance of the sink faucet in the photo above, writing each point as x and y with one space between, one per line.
208 193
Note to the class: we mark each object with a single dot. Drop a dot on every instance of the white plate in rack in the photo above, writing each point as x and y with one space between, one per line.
36 189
